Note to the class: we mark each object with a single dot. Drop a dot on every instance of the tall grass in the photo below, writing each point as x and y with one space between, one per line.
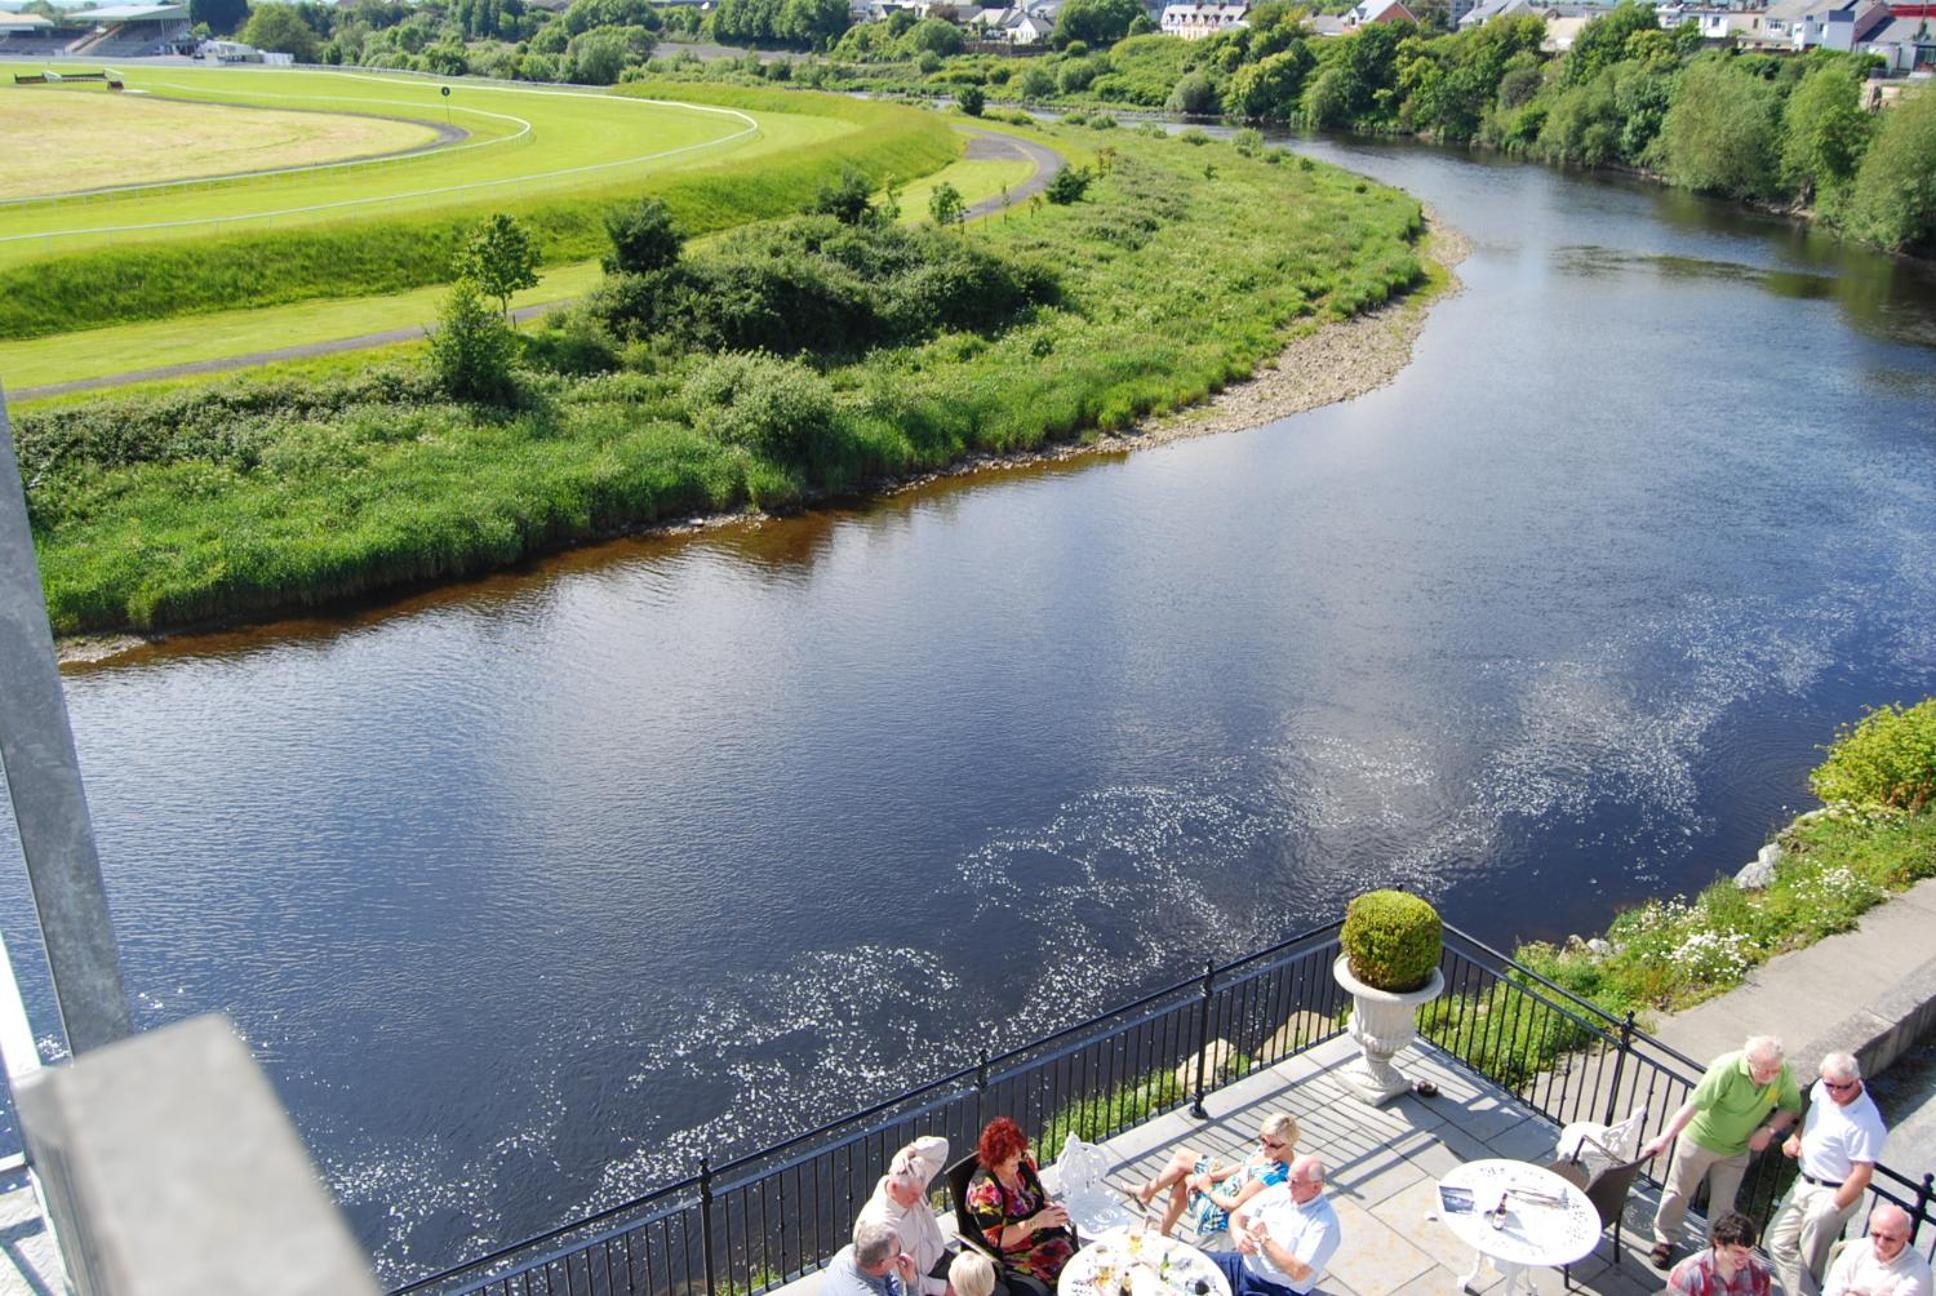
353 258
248 499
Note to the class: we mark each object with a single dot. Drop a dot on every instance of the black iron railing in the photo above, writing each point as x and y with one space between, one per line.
766 1218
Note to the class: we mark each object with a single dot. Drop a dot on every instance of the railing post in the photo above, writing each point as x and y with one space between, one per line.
1203 1039
981 1094
706 1222
1925 1192
1619 1067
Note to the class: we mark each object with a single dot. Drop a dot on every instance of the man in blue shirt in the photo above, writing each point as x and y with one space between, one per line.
1285 1236
871 1265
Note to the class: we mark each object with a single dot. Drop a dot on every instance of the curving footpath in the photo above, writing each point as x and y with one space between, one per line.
982 146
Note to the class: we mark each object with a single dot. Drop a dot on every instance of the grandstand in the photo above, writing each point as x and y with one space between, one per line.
25 35
131 31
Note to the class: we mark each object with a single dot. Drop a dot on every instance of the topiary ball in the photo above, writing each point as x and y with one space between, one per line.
1392 940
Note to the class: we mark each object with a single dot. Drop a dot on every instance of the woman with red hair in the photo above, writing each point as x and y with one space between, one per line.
1007 1200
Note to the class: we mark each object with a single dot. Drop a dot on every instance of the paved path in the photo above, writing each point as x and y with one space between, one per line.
982 145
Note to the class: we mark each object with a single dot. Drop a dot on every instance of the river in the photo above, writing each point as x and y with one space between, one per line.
529 891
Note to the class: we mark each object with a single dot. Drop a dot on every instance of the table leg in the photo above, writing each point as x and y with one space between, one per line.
1512 1273
1470 1279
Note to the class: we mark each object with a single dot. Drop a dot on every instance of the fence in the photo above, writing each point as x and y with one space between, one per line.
772 1216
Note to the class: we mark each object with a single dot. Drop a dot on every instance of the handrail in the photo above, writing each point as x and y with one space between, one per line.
1155 1030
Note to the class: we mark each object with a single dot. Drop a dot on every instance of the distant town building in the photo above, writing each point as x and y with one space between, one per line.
1378 11
1825 24
1195 21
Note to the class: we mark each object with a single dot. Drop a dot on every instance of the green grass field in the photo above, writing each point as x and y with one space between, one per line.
154 344
520 139
558 160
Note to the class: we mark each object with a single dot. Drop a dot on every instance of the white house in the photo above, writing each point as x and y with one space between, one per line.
1378 11
1195 21
1826 24
1904 44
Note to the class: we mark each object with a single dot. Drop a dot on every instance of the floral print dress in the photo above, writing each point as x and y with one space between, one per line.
1041 1255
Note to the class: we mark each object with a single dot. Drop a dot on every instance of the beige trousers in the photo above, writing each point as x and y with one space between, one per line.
1690 1165
1804 1227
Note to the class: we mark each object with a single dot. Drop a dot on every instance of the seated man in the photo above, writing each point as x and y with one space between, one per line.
1729 1265
900 1201
1285 1236
873 1264
1883 1264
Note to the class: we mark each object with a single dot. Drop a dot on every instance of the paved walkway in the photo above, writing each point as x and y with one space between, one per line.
29 1263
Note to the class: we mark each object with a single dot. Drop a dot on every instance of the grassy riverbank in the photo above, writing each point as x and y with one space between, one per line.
1181 270
1876 837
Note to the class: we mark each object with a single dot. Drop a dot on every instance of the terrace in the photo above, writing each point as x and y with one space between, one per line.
1514 1059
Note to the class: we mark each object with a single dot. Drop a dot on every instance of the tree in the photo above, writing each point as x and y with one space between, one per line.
1268 91
1097 22
1068 185
222 16
1603 42
1193 95
500 259
972 100
932 36
472 348
945 205
1721 135
814 24
1894 203
644 237
599 56
844 198
1824 132
279 29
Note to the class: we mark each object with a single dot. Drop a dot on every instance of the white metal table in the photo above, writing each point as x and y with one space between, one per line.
1546 1221
1118 1262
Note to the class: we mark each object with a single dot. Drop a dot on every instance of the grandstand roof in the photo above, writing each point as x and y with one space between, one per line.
136 13
23 22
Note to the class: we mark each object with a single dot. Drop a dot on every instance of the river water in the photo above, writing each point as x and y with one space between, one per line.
530 891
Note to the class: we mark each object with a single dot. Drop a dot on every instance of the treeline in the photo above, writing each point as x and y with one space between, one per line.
1788 131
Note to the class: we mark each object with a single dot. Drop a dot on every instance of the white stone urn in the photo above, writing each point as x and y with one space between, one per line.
1382 1022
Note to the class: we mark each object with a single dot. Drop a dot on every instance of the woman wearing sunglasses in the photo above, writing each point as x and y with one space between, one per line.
1208 1195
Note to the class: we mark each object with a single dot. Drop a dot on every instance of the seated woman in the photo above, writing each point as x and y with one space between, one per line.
1007 1200
1210 1195
972 1274
900 1201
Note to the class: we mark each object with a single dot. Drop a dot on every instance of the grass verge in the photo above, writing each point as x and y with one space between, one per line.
1183 269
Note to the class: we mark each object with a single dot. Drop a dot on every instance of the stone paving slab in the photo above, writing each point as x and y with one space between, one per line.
29 1262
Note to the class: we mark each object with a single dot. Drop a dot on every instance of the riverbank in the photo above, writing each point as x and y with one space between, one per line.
253 515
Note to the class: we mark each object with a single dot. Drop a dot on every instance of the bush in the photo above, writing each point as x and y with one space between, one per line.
1068 185
1894 201
472 347
846 198
972 100
777 408
1194 96
1887 758
644 238
1392 940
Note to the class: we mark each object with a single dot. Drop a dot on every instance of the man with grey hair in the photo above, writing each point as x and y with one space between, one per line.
1883 1264
900 1201
1717 1129
1838 1147
1285 1236
873 1264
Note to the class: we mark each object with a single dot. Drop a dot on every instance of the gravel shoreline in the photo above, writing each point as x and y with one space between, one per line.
1333 362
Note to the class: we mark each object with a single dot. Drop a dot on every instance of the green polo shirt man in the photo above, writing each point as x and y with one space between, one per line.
1742 1102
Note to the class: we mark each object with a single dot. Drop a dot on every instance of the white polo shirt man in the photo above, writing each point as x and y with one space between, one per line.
1838 1147
1285 1235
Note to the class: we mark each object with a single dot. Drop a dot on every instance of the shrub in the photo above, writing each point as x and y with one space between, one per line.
644 237
1068 185
1194 96
846 198
1886 758
972 100
1248 142
1392 940
777 408
471 348
1194 137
